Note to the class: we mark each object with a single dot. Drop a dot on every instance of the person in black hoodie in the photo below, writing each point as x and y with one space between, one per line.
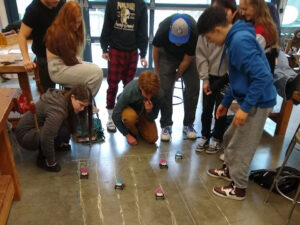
124 33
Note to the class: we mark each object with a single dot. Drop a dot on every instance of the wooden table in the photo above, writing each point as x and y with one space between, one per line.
282 118
9 182
18 68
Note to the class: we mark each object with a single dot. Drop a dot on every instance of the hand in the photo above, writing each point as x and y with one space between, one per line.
79 60
206 89
240 118
29 65
144 62
106 56
221 111
131 140
148 105
178 73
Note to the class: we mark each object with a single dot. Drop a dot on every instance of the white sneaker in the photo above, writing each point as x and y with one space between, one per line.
111 127
190 132
214 147
202 145
166 133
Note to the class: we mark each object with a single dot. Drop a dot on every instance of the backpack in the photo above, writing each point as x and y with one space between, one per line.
264 178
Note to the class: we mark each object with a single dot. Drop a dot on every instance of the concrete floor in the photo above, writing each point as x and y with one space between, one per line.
65 199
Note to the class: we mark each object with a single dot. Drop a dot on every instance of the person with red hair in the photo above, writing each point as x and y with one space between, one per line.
64 42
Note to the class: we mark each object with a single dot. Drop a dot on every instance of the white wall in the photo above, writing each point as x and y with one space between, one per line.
3 16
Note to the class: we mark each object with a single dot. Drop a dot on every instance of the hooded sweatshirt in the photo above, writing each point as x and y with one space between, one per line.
208 59
251 81
51 111
125 26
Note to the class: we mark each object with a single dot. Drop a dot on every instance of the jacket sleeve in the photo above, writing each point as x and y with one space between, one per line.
202 58
121 104
104 39
142 31
251 60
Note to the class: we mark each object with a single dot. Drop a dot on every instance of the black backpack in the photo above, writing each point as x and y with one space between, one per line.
265 179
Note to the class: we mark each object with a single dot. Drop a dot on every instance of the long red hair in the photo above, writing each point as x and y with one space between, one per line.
62 32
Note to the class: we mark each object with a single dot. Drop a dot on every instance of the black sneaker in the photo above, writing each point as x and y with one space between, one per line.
41 163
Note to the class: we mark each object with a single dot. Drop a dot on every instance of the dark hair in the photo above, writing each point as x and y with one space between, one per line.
82 93
228 4
210 18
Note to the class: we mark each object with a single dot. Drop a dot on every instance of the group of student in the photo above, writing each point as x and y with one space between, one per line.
222 49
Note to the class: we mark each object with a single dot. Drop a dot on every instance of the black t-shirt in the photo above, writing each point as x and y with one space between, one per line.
38 17
161 39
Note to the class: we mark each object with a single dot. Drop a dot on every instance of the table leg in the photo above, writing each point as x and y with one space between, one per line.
7 163
283 117
25 86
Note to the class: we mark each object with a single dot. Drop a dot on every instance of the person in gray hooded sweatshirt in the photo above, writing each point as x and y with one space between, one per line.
56 115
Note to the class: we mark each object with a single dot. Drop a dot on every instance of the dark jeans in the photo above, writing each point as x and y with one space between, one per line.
167 70
211 102
46 82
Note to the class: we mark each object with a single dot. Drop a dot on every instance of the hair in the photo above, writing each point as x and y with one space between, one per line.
264 19
61 30
228 4
82 93
210 19
149 82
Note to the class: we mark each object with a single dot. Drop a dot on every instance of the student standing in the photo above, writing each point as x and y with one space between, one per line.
124 33
38 17
174 47
251 84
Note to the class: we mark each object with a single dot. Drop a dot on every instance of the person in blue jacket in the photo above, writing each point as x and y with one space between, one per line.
251 84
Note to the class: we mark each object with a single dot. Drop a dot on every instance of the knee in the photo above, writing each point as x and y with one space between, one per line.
129 116
151 139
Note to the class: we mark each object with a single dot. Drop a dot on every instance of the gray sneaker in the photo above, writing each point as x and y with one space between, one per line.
202 145
214 147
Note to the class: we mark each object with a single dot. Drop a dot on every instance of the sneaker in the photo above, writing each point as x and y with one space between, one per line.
190 132
230 191
42 163
220 173
214 147
166 133
222 157
111 127
203 144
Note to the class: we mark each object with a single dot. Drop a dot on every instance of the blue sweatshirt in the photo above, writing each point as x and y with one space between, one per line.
251 81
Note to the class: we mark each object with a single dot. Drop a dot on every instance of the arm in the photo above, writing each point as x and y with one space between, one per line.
155 55
184 64
104 38
23 35
202 63
121 104
142 31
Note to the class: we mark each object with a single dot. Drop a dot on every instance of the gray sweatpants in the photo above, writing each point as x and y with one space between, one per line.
83 73
167 70
240 144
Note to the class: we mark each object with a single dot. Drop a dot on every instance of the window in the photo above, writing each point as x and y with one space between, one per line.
22 5
291 17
